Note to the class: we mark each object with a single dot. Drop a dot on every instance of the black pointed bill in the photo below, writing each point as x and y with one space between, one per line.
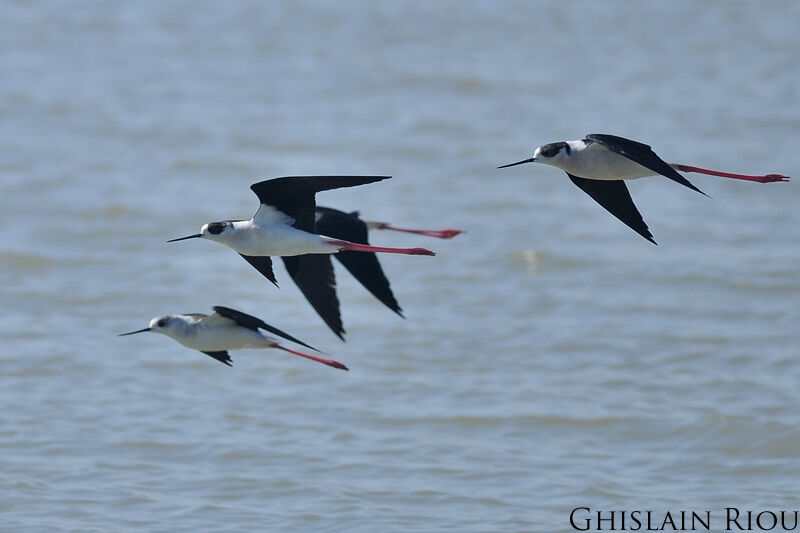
132 332
195 236
531 160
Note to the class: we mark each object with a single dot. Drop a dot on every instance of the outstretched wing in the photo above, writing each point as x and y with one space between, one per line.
614 196
642 154
313 274
222 357
364 266
294 195
263 264
254 323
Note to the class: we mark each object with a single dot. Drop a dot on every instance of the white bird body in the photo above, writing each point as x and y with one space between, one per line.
595 161
210 333
226 329
249 237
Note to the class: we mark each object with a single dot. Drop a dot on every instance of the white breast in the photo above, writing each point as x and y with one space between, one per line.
215 338
597 162
250 238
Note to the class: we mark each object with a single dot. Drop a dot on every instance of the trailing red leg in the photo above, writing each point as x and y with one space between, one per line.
355 247
440 234
329 362
766 178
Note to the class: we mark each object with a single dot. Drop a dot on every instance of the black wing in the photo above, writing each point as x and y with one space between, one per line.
614 196
642 154
313 274
294 195
263 264
364 266
254 323
222 357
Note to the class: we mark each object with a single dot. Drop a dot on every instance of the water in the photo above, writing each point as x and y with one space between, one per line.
551 357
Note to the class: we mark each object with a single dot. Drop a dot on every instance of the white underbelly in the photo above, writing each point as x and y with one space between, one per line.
280 241
606 165
218 339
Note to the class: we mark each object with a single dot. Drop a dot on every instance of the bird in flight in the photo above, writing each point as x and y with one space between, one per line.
599 163
285 226
226 329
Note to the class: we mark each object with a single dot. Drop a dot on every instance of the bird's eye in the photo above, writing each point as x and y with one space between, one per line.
550 150
216 228
161 323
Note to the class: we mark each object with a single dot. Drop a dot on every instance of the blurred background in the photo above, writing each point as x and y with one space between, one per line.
551 358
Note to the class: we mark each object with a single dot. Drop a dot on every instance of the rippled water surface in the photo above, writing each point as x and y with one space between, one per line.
550 359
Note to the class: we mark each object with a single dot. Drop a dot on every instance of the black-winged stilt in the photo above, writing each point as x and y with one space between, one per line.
226 329
284 226
599 163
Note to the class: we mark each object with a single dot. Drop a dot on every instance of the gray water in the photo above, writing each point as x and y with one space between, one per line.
551 358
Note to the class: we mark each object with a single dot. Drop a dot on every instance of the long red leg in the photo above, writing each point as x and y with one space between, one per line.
767 178
441 234
355 247
329 362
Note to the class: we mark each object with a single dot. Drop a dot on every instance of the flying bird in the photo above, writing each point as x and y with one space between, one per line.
285 226
599 163
226 329
364 266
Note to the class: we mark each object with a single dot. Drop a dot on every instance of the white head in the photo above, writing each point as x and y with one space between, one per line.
215 231
169 325
555 154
